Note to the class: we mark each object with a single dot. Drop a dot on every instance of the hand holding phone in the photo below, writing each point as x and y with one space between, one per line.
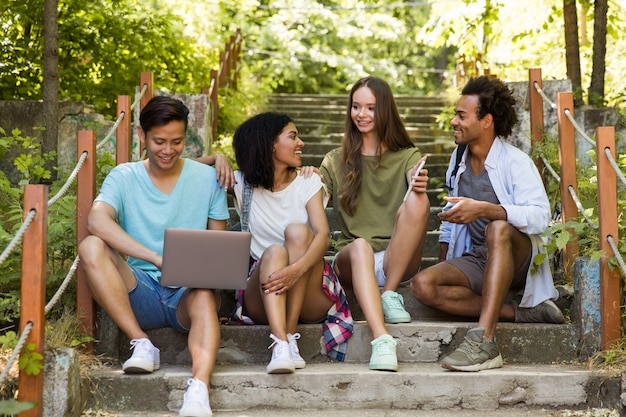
419 167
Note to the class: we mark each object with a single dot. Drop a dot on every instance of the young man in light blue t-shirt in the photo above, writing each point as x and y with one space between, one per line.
137 201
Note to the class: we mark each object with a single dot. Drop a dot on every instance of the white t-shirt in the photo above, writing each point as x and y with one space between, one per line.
271 212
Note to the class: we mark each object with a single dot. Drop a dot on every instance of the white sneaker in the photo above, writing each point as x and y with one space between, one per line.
196 400
145 357
281 362
298 361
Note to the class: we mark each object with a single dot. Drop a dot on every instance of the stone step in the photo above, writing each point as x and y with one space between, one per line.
322 148
435 169
299 412
337 114
306 125
327 387
421 340
433 220
342 100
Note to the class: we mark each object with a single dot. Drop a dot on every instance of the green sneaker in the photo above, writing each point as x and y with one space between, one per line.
476 353
384 354
546 312
393 308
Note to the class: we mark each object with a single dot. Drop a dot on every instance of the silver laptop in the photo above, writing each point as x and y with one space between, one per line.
215 259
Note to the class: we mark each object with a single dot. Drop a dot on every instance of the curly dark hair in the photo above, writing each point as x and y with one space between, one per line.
253 142
494 98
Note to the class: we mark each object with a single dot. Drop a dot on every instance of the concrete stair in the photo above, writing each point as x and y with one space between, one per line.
541 372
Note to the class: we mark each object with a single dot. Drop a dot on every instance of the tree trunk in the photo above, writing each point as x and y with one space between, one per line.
596 90
572 49
50 81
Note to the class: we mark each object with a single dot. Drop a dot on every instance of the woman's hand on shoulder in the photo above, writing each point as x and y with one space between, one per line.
307 171
225 173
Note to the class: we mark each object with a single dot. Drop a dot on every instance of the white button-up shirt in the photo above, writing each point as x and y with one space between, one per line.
520 190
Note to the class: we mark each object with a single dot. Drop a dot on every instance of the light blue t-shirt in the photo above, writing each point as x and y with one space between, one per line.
144 212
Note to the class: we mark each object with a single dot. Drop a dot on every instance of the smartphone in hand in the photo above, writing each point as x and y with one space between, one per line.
419 167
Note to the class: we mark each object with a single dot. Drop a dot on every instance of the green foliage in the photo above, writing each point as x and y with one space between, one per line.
61 224
13 407
30 361
580 230
103 46
30 162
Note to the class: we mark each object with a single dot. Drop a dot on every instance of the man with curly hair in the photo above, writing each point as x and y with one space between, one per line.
491 230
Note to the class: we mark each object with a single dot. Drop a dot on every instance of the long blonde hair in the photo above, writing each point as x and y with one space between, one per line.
389 129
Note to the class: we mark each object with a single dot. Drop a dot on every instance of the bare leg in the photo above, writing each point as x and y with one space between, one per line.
268 308
446 288
110 279
198 311
508 248
308 289
355 269
404 252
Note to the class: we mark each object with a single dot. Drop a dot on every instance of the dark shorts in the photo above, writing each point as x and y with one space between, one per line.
473 263
154 305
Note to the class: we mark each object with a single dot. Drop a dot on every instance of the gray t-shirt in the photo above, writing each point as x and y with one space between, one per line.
477 187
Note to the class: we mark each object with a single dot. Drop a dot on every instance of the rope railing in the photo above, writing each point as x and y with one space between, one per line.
618 255
120 118
580 207
103 142
579 129
16 351
551 170
69 180
33 272
27 331
610 299
139 96
582 133
18 236
543 95
66 281
57 296
618 171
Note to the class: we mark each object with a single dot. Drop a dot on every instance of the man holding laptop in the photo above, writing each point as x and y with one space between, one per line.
137 202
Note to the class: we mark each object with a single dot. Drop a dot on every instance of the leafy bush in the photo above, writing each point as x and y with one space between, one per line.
61 223
580 230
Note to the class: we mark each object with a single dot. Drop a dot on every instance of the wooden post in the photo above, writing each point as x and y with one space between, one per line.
567 160
85 194
536 114
610 293
145 78
222 73
122 134
33 292
213 97
237 57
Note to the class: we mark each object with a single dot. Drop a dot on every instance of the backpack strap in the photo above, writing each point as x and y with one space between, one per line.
245 206
460 150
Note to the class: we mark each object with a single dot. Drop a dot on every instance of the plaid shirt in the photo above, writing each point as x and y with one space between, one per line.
338 326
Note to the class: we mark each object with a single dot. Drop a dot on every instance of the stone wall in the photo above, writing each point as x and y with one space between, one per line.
27 116
588 117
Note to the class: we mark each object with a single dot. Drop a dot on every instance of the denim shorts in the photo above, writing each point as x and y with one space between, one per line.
154 305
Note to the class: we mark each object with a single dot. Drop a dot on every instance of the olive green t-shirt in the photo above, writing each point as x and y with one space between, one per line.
380 196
